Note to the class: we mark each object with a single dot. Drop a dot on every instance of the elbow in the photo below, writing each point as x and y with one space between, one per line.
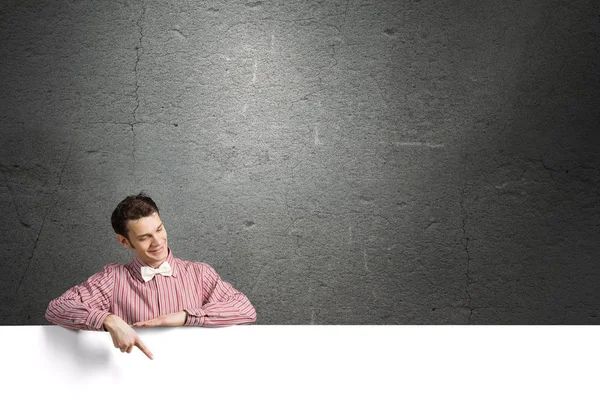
246 313
252 314
50 316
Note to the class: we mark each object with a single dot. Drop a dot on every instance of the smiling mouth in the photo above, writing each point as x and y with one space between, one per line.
157 250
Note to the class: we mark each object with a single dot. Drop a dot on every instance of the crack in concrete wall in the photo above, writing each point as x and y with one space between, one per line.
37 239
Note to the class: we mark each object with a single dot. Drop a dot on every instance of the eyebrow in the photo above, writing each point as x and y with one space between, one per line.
143 235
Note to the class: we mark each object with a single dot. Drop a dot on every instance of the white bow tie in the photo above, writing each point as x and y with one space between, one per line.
148 272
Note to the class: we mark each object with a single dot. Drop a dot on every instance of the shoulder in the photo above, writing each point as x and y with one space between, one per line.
113 268
105 278
199 268
110 271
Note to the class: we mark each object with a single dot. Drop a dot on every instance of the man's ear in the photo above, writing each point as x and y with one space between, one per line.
124 242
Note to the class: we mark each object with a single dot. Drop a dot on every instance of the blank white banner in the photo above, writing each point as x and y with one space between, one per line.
304 371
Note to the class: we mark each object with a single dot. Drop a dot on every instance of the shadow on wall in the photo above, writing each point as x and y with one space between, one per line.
56 186
33 165
530 164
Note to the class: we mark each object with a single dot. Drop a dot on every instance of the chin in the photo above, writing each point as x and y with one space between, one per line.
162 253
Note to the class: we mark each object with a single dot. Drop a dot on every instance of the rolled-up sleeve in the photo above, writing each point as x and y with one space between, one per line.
223 305
85 306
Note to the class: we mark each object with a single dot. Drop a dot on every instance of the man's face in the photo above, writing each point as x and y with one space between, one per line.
148 239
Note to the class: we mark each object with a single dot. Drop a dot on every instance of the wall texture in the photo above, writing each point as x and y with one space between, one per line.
339 162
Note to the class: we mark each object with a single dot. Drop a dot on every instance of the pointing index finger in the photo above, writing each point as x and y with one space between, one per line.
143 348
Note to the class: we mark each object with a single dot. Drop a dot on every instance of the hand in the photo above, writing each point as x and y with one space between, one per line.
171 319
123 336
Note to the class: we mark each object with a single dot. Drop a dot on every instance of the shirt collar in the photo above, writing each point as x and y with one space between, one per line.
135 266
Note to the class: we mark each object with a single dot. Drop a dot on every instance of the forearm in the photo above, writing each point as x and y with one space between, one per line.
222 305
84 306
72 314
109 322
225 313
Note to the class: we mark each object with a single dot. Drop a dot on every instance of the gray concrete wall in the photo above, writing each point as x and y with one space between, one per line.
340 162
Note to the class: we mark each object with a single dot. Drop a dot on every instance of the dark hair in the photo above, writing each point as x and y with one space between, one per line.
133 207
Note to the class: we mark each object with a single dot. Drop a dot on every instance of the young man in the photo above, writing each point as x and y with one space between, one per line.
154 289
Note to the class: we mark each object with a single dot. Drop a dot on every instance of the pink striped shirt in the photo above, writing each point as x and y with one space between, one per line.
119 289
